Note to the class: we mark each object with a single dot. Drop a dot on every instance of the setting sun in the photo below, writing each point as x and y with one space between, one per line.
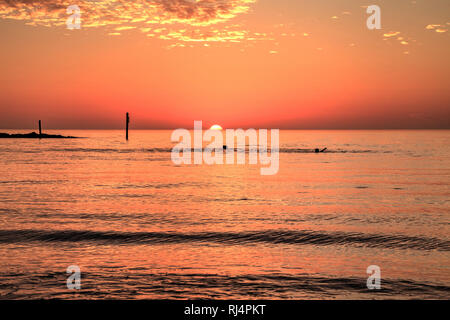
215 127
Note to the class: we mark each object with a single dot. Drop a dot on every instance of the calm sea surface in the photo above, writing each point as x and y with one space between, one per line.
140 227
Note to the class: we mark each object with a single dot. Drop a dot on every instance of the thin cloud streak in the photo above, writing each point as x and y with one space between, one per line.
126 15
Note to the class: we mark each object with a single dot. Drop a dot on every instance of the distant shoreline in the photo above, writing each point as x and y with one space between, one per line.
34 135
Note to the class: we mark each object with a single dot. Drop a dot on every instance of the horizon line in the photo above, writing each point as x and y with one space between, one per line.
224 129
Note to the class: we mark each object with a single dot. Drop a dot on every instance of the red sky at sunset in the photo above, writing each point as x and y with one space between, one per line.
240 63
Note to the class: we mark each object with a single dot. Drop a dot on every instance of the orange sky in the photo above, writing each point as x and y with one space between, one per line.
239 63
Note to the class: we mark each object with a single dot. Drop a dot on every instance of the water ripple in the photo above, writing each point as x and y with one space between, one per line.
302 237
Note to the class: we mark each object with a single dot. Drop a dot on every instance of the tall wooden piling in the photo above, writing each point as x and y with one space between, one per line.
40 128
127 122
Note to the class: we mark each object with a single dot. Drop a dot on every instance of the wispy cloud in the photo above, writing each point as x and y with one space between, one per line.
119 14
391 34
437 28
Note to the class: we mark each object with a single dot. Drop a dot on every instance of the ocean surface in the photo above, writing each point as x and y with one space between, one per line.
140 227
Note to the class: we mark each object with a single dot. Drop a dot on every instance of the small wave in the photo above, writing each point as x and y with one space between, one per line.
159 185
169 150
117 283
32 182
229 238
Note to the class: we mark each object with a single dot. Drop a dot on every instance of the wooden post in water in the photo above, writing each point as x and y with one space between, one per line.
127 122
40 129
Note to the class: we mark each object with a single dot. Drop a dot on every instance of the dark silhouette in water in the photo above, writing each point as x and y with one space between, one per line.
34 135
127 120
317 150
